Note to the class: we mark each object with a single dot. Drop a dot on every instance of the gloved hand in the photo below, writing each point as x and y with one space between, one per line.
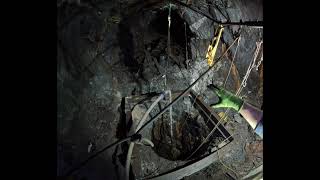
226 99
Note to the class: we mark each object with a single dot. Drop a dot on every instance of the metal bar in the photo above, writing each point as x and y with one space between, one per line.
253 173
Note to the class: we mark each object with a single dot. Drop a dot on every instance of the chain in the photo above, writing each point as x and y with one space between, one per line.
251 66
258 64
261 59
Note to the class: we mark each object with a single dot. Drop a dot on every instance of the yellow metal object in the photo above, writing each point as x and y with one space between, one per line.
212 49
223 117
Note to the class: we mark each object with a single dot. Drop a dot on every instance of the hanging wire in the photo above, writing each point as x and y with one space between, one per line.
225 82
168 46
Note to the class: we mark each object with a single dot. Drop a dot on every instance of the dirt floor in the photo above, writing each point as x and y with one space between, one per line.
115 49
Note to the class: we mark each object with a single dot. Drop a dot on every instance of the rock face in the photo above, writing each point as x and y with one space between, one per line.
110 50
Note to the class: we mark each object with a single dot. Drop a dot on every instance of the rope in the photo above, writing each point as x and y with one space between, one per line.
232 62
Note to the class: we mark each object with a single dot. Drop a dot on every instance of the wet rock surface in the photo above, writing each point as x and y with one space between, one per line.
105 53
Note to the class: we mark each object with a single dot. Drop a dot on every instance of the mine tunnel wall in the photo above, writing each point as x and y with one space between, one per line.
100 57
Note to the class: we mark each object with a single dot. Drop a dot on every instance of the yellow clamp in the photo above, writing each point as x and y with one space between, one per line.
212 49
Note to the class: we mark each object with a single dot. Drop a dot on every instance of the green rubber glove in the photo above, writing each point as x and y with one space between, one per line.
226 99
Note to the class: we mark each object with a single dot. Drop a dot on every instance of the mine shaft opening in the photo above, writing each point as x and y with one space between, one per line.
190 129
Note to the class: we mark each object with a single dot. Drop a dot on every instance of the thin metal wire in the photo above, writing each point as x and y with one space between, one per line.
168 46
225 82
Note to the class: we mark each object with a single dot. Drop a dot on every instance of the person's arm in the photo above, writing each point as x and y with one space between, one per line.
253 116
250 113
